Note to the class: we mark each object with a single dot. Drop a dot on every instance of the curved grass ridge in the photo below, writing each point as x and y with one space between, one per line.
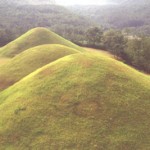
35 37
30 60
81 101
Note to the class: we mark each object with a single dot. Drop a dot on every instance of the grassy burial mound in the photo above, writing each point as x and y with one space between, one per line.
81 101
35 37
30 60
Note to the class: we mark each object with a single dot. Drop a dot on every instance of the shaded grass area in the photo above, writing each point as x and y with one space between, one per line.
3 60
81 101
30 60
35 37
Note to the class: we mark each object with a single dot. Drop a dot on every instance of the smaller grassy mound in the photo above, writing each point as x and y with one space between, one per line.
30 60
35 37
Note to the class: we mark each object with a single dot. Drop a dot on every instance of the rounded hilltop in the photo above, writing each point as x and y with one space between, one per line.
30 60
34 37
56 95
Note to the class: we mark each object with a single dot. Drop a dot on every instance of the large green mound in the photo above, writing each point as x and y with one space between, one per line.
30 60
32 38
82 101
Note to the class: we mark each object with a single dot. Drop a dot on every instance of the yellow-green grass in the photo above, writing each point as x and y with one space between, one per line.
85 101
30 60
3 60
106 53
99 51
34 37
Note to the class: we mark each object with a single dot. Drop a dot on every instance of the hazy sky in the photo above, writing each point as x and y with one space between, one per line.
81 2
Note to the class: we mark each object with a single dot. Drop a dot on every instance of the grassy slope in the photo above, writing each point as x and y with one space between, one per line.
34 37
82 101
99 51
3 60
30 60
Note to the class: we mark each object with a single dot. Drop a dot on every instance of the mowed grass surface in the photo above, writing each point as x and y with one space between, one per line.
84 101
35 37
30 60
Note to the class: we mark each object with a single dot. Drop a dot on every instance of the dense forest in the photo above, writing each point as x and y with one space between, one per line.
133 17
132 50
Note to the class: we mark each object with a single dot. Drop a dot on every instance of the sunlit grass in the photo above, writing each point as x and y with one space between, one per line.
32 38
81 101
30 60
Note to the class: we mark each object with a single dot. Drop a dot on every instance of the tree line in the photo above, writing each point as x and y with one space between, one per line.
132 15
132 50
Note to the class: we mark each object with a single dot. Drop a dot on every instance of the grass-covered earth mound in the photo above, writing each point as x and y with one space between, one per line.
57 97
34 37
81 101
30 60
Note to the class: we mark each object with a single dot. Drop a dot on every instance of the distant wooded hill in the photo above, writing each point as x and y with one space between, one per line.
17 19
128 14
72 22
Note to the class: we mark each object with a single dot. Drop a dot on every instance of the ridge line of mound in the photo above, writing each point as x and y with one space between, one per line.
30 60
32 38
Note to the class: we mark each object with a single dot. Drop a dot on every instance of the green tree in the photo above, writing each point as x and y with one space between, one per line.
114 42
94 36
139 54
